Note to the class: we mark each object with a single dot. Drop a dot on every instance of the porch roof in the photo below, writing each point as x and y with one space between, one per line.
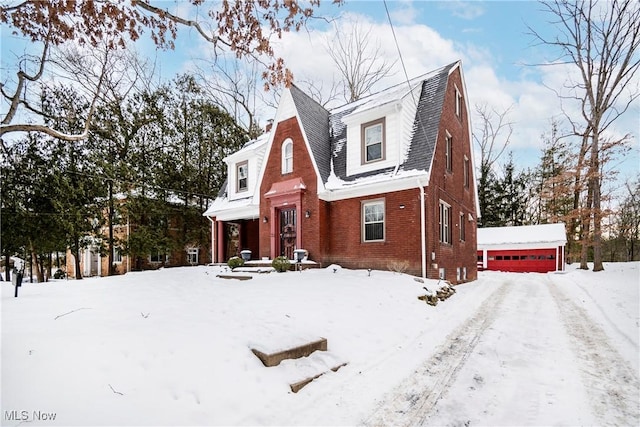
224 209
290 186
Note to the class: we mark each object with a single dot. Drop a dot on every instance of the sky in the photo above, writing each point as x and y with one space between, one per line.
491 38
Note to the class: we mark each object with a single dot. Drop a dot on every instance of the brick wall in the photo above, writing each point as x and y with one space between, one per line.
401 244
303 168
333 232
449 187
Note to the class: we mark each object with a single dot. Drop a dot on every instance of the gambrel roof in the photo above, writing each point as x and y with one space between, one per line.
327 132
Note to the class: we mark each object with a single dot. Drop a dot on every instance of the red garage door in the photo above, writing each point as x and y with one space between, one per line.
530 260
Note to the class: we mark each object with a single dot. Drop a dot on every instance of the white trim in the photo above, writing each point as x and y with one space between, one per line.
283 160
362 189
363 222
520 246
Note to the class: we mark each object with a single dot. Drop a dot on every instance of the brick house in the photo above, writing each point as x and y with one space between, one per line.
385 182
95 262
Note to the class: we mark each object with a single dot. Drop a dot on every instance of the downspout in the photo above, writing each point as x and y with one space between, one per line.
423 232
213 241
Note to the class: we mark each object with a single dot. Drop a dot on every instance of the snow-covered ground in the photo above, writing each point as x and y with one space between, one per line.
173 347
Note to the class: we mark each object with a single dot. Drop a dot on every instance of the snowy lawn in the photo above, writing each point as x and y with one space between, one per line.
173 347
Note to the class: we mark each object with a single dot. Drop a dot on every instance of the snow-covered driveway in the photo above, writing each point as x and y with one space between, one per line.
529 355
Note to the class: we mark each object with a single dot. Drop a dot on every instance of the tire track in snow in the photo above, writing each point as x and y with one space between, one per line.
414 399
612 385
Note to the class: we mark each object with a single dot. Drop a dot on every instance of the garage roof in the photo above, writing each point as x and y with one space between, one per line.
526 235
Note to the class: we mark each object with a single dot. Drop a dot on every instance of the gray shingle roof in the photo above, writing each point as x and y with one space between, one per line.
315 122
427 121
327 133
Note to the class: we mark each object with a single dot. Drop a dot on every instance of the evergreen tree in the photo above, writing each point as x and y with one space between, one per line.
77 191
514 196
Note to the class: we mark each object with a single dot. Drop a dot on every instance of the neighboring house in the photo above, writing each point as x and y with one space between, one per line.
528 248
95 262
385 182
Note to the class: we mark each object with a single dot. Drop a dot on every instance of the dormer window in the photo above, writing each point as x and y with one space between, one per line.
287 156
373 141
242 174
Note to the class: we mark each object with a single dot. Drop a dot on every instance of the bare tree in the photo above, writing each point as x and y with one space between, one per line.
233 86
493 139
601 40
358 56
495 133
245 28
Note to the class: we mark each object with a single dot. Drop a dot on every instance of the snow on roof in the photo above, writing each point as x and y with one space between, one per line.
224 209
526 234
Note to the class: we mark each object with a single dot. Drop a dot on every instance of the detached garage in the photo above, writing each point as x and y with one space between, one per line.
528 248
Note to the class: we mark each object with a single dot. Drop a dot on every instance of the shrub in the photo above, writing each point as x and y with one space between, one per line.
398 266
235 262
59 274
281 264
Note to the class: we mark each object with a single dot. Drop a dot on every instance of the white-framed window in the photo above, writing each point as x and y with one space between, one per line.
442 273
117 255
463 227
242 176
467 172
287 156
448 153
157 257
373 141
458 102
192 256
445 222
373 221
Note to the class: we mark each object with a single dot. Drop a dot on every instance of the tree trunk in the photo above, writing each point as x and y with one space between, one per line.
586 230
7 256
578 215
36 262
110 268
594 183
76 256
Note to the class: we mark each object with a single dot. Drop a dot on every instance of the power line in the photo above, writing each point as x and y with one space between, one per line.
395 39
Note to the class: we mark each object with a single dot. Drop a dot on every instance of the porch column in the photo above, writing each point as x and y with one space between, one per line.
274 232
220 252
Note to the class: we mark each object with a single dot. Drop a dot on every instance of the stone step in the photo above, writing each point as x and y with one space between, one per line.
235 276
298 385
274 357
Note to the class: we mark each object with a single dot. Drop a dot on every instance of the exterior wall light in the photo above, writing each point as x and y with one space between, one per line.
265 219
307 214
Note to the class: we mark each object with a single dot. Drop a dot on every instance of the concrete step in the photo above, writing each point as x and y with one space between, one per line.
273 357
301 363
